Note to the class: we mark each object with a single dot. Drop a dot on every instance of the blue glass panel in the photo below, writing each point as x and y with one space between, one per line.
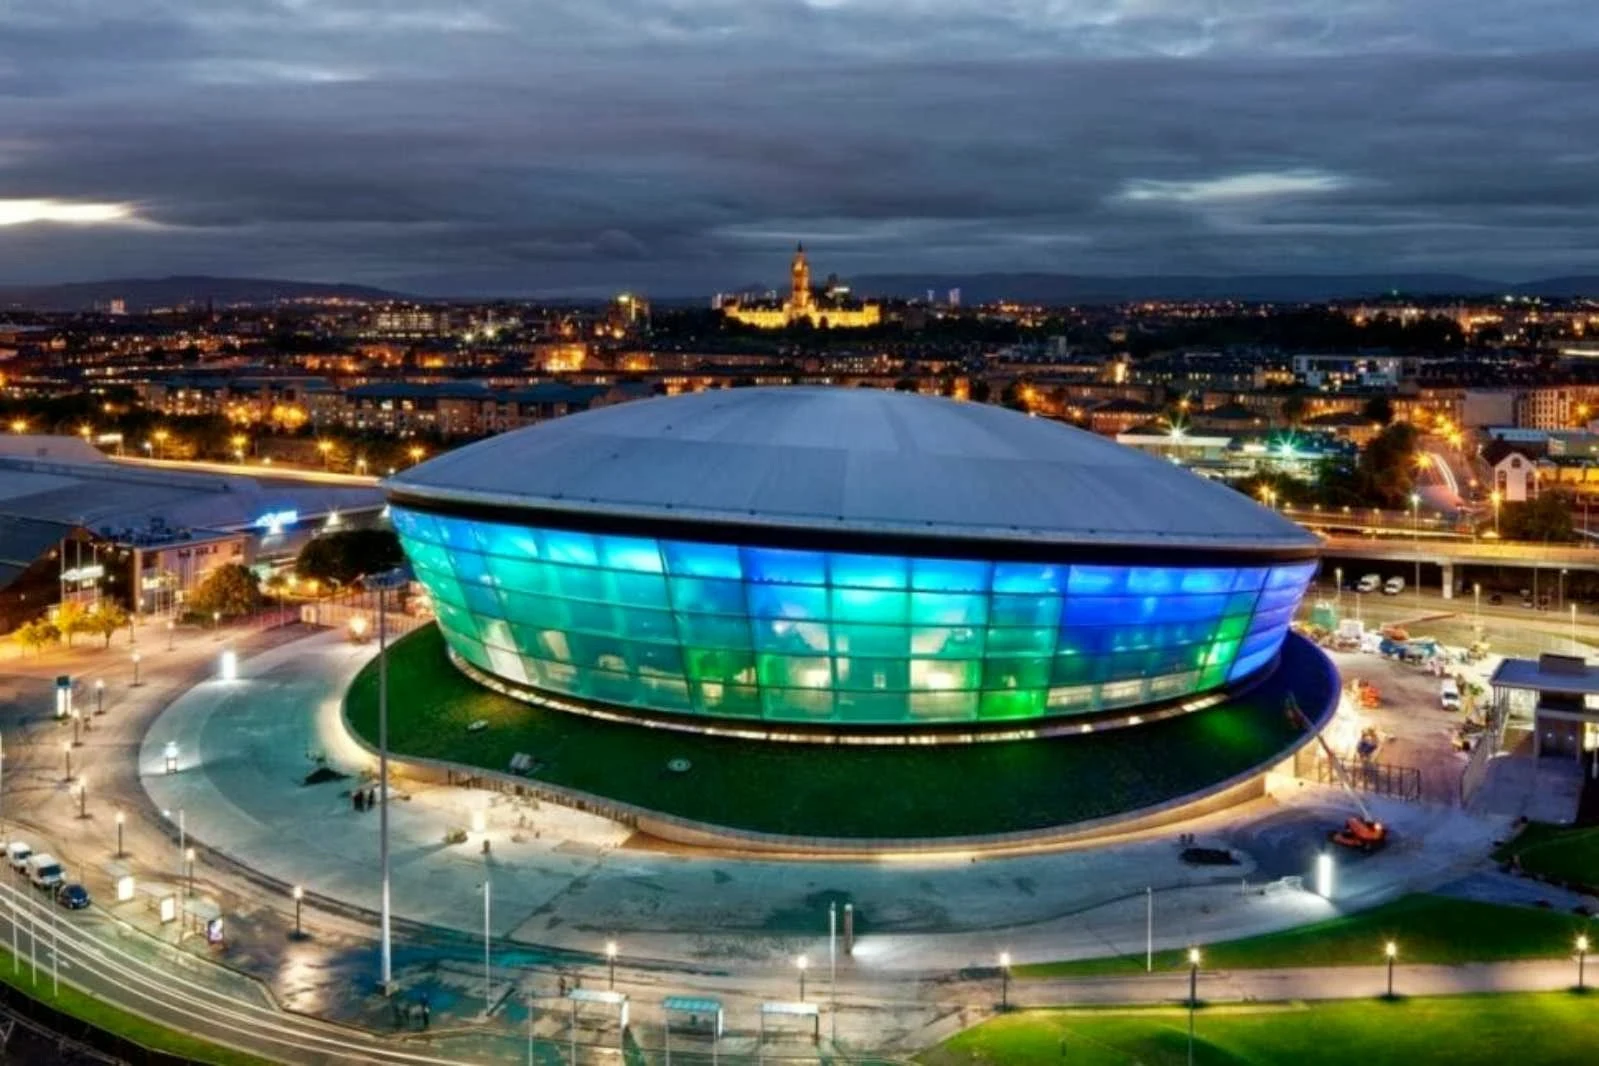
1029 577
714 631
562 546
1097 580
788 601
868 605
629 553
1246 665
1250 579
1153 580
482 601
640 590
870 571
948 609
1208 580
456 534
1296 576
949 575
705 596
785 567
702 560
511 542
1025 611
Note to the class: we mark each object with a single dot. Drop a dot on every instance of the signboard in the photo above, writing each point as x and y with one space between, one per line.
274 521
83 573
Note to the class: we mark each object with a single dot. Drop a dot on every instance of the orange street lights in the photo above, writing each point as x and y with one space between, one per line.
416 453
326 448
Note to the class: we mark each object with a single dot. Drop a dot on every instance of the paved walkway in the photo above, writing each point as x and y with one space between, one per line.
568 881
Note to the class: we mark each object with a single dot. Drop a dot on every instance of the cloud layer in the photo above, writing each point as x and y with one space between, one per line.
684 145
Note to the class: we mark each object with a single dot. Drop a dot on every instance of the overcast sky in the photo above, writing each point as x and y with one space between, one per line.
679 146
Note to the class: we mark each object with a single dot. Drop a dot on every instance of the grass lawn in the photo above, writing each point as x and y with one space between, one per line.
839 791
132 1027
1429 929
1527 1029
1568 854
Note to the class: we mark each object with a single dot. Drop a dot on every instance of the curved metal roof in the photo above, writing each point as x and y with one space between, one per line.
851 459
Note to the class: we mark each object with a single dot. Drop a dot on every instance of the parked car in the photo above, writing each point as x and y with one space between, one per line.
44 871
1494 599
1369 583
1449 694
17 854
73 897
1393 586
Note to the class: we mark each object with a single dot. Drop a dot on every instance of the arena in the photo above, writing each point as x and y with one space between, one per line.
850 561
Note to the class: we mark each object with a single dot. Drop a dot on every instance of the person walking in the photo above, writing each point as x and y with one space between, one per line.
359 800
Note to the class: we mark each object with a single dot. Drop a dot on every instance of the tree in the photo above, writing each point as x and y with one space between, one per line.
1378 409
339 558
71 619
1547 517
106 619
36 634
979 391
1386 470
1293 409
229 590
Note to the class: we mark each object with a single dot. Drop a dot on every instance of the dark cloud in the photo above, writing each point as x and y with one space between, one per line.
682 145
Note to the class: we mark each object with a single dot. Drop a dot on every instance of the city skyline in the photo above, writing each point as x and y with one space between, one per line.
680 148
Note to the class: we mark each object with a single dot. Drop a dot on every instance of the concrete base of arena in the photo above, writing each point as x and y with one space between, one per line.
648 799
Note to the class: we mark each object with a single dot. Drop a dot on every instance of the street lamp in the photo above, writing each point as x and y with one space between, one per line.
325 447
216 624
1004 981
416 452
1390 949
83 797
1476 604
1560 590
610 963
383 582
160 436
188 857
136 665
803 964
120 819
1338 588
299 903
99 695
66 749
1582 960
77 720
1193 998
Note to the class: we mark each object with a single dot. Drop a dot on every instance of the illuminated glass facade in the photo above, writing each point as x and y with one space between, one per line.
723 630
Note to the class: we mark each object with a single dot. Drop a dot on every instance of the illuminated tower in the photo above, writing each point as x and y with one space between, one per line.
799 300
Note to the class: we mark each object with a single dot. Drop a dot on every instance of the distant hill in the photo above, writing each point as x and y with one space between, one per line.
142 294
1285 288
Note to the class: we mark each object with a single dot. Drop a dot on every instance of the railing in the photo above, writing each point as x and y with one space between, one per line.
1375 778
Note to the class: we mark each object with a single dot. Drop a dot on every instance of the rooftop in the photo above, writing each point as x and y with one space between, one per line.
859 459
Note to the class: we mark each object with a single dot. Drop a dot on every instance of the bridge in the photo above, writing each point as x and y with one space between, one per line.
1447 553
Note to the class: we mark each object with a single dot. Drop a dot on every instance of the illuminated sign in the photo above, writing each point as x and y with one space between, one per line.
274 521
83 573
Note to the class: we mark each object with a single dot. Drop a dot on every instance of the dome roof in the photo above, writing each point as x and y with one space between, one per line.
851 459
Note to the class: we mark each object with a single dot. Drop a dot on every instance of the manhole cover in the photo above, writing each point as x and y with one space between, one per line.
679 766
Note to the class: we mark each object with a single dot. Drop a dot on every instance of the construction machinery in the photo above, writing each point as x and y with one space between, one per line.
1360 832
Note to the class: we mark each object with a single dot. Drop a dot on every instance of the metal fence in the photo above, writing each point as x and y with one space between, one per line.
1364 775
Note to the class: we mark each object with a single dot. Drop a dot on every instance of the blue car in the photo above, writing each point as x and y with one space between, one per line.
73 897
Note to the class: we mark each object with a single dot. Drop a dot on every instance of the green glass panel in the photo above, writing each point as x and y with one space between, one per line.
1021 703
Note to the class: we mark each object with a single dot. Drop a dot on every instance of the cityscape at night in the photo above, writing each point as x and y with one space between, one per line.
864 531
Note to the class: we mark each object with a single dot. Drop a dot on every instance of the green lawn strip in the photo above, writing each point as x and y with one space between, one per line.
1528 1029
1561 853
848 790
102 1015
1426 928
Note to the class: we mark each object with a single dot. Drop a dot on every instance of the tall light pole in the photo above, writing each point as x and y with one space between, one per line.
487 981
832 969
1004 981
383 582
1582 962
610 964
1390 949
1476 605
1560 590
120 819
299 905
83 797
1415 529
136 669
1193 998
99 695
802 963
1338 588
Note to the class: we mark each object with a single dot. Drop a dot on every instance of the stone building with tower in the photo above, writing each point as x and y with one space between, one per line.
832 307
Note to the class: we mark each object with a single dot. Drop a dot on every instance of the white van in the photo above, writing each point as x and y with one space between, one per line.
45 871
1393 586
1449 694
17 854
1369 583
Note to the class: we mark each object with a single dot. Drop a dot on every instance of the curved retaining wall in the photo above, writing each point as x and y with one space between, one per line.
1238 789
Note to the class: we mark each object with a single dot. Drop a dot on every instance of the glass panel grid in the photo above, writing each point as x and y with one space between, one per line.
726 631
